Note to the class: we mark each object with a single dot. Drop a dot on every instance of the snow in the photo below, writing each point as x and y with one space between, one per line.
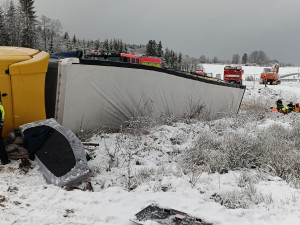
29 200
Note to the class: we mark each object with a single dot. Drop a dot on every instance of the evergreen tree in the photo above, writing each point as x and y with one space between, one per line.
159 50
167 58
84 46
245 58
66 36
180 61
51 44
29 22
88 44
97 44
67 42
11 25
3 34
92 45
115 45
106 44
111 45
151 48
121 46
74 42
173 60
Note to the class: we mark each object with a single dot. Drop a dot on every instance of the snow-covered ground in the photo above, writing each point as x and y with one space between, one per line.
150 166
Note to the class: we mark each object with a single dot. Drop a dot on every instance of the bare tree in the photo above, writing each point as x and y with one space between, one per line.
216 59
50 31
235 59
44 25
259 57
202 59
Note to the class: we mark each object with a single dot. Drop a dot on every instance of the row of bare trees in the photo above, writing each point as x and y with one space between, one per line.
255 58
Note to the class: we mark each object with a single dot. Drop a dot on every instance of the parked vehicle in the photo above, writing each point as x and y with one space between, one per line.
233 74
271 74
151 61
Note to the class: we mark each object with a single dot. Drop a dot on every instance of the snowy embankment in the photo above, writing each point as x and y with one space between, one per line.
132 171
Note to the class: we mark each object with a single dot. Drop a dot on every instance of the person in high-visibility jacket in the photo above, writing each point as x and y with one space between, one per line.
285 110
297 108
3 153
265 80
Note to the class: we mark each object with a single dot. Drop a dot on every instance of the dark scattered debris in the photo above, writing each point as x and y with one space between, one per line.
25 165
87 187
12 189
2 198
68 212
166 216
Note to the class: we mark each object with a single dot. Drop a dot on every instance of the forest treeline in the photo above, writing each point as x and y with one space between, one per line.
20 26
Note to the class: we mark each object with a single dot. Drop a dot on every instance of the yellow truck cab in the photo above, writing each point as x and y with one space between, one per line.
22 84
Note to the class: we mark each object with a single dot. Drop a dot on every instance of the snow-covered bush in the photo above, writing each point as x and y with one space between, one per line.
234 144
243 197
279 155
295 134
193 164
143 175
239 151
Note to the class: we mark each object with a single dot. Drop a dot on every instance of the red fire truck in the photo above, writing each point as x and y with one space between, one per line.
130 58
151 61
233 74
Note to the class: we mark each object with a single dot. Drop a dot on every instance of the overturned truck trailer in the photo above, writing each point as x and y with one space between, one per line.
83 94
91 93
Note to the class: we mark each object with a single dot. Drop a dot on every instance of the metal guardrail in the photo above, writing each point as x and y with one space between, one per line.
257 76
289 80
287 75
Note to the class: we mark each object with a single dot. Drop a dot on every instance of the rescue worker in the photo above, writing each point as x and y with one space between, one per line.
297 108
274 109
265 80
279 104
291 106
3 153
285 110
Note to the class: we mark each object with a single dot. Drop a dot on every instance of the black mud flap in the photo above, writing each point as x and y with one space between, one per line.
165 216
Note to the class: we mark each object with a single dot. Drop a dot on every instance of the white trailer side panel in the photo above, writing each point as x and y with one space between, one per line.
93 95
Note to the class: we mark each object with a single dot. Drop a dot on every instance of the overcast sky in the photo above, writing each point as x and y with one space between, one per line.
195 27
